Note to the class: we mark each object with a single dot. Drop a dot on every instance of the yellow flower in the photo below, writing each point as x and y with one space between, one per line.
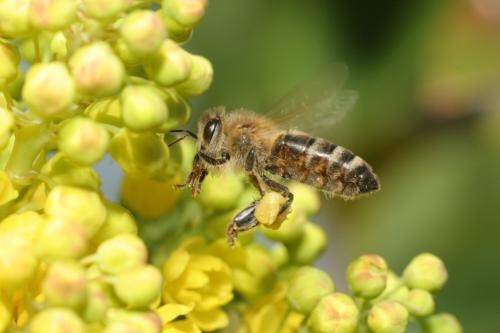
199 280
7 190
272 314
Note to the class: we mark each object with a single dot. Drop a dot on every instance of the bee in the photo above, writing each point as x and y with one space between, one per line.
271 151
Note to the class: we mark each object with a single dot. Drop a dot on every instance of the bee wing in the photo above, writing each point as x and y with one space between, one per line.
317 105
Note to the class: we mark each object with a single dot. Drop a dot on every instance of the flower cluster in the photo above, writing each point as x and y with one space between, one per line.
83 79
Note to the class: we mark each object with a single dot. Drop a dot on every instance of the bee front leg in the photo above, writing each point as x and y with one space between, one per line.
243 221
195 177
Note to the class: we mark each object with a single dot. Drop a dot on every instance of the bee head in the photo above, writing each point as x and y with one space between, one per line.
210 129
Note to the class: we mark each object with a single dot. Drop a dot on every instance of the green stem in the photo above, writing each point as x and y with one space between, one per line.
38 53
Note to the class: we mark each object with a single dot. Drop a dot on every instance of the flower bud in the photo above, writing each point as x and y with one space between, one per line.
221 192
98 301
63 171
14 20
143 108
419 302
133 321
118 221
78 206
426 271
6 125
121 253
443 323
186 12
83 140
143 31
139 286
49 90
59 45
176 31
312 244
367 276
200 77
170 65
18 263
269 208
123 51
335 313
52 14
107 111
290 230
307 286
305 198
65 285
9 58
96 69
388 317
72 240
143 155
103 10
56 320
26 224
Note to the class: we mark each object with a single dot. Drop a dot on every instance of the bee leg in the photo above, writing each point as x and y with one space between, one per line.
243 221
284 191
215 161
195 177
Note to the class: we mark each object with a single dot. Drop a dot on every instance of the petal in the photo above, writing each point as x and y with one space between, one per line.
209 320
7 190
169 312
181 326
195 279
176 265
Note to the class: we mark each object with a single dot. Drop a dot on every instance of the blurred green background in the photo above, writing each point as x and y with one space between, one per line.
428 120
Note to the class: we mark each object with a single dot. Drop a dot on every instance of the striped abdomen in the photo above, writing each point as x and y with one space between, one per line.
321 164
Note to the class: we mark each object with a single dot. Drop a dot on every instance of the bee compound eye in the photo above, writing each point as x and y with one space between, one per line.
210 129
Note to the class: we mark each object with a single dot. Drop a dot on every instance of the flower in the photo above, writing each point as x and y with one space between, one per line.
198 280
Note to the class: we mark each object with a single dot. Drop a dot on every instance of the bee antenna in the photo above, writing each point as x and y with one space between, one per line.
186 134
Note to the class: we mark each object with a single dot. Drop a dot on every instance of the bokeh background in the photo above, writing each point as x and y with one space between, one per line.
428 120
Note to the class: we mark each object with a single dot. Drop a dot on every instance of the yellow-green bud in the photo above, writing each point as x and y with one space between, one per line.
18 263
98 301
119 221
103 10
199 79
221 192
305 198
291 230
72 240
56 320
426 271
419 302
138 287
9 58
312 244
307 286
49 89
52 14
96 69
133 321
279 254
269 208
59 45
121 253
335 313
78 206
176 31
186 12
65 285
27 224
83 140
124 52
14 20
143 31
6 126
63 171
367 276
388 317
143 108
107 111
443 323
170 65
144 155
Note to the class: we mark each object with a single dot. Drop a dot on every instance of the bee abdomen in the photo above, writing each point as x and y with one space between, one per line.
320 163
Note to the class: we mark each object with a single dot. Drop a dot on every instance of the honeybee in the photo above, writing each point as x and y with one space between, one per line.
271 151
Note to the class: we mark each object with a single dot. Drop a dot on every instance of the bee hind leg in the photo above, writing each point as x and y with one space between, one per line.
243 221
285 192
